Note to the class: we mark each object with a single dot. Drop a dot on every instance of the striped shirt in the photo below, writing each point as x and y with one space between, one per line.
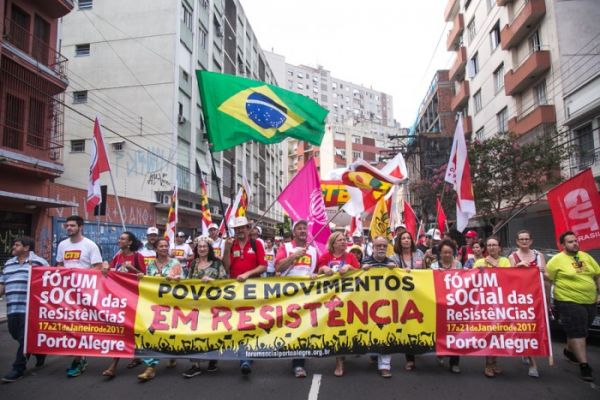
14 277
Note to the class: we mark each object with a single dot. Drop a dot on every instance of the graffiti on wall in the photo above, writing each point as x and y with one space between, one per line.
151 165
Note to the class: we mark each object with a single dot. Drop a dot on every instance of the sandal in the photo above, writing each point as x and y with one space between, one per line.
489 371
410 366
496 369
134 363
339 372
109 373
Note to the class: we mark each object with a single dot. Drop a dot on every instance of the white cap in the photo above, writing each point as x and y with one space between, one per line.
357 234
435 234
399 226
259 229
213 226
239 221
152 231
300 221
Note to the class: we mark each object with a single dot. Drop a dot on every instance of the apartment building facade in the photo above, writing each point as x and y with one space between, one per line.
529 68
134 65
33 79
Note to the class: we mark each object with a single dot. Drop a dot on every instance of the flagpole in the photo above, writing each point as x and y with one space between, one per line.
437 211
214 173
325 225
265 212
117 199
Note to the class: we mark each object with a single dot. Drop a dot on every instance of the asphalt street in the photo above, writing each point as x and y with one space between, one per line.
272 379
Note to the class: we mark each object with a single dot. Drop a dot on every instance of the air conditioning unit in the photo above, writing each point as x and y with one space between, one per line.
181 119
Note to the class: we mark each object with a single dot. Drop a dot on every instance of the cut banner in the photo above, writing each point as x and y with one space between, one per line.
472 312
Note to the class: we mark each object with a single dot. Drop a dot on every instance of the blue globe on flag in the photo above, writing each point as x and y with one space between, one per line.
264 112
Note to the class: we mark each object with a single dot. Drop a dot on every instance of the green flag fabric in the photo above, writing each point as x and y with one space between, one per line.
237 110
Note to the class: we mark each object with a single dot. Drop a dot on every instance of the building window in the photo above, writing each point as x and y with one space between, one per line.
356 155
340 136
78 146
585 145
535 43
502 119
82 50
471 29
477 101
202 38
495 36
80 97
204 4
499 78
356 139
473 66
479 134
539 94
186 16
118 146
85 4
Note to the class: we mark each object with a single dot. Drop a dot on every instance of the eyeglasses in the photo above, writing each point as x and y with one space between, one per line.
523 239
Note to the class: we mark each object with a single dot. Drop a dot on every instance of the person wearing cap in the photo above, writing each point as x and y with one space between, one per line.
359 240
297 258
243 258
357 251
431 254
148 250
218 244
466 252
182 252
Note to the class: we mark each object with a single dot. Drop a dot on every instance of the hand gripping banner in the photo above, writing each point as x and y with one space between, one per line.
474 312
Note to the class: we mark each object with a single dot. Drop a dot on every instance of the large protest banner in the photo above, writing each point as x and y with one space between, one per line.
479 312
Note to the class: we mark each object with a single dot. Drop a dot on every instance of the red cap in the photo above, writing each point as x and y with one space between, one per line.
471 234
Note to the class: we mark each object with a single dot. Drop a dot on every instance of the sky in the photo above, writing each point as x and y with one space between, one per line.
389 45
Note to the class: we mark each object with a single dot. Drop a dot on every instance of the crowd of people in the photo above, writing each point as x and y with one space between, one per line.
574 274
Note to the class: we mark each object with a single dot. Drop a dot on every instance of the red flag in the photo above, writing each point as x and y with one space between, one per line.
410 220
575 206
441 217
98 164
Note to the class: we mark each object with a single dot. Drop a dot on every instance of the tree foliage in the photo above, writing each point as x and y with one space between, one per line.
507 172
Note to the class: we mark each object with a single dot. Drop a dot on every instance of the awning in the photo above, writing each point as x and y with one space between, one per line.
46 202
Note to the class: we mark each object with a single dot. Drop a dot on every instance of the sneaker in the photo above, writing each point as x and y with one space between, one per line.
77 368
533 372
455 369
385 373
570 356
40 360
299 372
245 368
212 366
586 372
13 376
192 372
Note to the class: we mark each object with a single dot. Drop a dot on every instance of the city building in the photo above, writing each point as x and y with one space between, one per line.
529 67
133 65
33 79
359 122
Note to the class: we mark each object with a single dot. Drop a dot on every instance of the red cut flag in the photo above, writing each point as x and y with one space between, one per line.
575 206
458 174
410 220
98 164
441 217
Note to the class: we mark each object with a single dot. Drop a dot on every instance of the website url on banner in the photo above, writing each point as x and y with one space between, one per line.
288 353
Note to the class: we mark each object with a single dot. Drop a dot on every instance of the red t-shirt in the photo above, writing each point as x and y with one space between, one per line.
119 259
330 261
245 260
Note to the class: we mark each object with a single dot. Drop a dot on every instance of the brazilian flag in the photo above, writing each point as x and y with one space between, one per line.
237 110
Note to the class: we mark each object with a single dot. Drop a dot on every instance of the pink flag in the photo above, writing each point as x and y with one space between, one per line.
302 199
98 164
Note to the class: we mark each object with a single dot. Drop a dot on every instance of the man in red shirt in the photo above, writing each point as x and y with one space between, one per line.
244 258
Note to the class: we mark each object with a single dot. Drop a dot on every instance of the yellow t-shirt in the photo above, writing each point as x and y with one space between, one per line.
503 262
571 283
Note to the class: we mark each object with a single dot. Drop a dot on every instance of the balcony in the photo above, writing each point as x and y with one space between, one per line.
451 9
461 96
501 3
520 79
55 8
541 115
34 50
458 67
454 35
522 25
